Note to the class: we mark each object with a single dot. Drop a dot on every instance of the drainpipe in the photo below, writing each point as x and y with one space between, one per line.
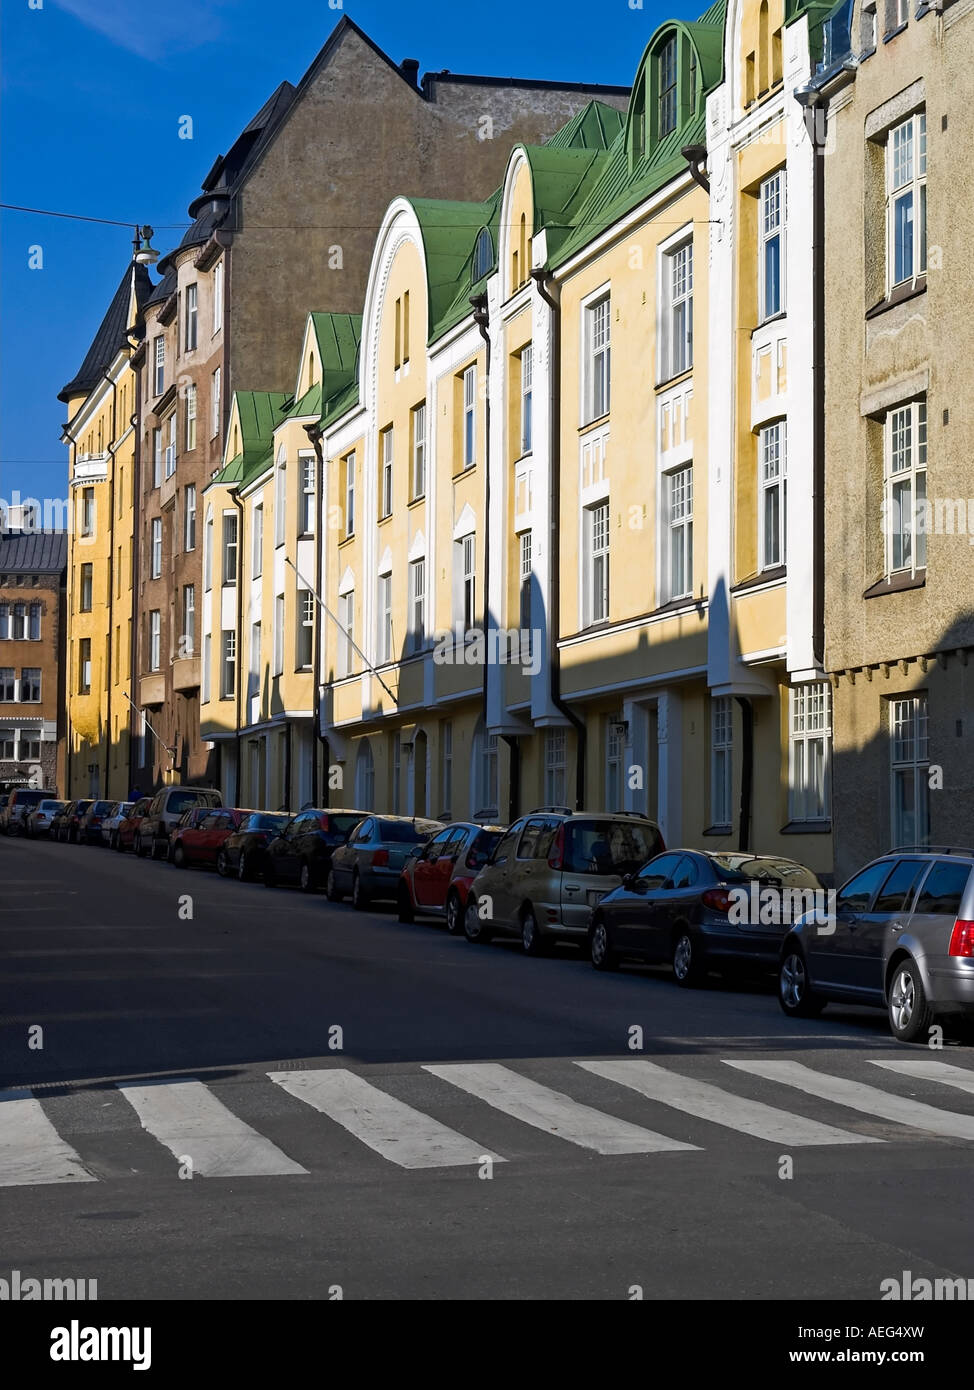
136 572
747 772
482 319
67 622
238 681
287 766
314 433
539 277
696 158
111 582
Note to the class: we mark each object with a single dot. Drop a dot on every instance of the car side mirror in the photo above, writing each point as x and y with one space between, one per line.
667 884
628 880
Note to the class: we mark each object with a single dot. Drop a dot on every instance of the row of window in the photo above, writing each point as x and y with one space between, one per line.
20 622
163 438
25 691
189 329
20 745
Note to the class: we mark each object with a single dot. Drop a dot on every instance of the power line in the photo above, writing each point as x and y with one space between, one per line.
105 221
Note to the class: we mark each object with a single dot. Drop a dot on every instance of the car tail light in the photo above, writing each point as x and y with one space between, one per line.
380 857
717 898
557 856
962 938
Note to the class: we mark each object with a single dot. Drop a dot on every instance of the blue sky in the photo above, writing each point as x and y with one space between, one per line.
92 95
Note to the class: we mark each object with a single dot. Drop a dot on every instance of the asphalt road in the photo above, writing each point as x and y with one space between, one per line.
238 1092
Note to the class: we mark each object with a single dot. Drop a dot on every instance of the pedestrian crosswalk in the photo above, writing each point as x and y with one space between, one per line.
467 1114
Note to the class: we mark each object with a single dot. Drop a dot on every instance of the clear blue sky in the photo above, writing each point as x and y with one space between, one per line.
92 94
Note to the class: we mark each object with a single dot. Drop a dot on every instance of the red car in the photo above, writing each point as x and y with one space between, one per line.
435 882
201 833
125 835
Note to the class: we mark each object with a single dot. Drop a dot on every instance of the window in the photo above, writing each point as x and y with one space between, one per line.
88 511
666 78
160 365
229 547
215 413
721 754
943 889
905 488
346 616
350 495
485 770
678 571
900 13
465 559
279 635
772 511
205 674
419 451
257 543
524 585
469 416
527 377
385 476
483 256
597 359
30 745
384 643
417 604
676 338
771 246
253 687
7 753
190 417
596 605
280 500
189 517
20 622
555 767
613 762
155 636
365 775
189 620
218 296
156 458
228 681
867 32
192 317
170 431
906 201
86 585
909 763
4 622
208 555
306 629
308 494
155 547
897 890
808 753
446 766
8 686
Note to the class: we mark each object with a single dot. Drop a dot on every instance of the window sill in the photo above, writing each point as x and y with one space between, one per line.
910 289
719 830
771 318
346 539
415 501
896 584
768 576
686 604
467 468
806 827
893 32
666 382
594 424
384 520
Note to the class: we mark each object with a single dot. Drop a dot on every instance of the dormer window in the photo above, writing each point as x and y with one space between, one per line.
666 60
483 256
639 124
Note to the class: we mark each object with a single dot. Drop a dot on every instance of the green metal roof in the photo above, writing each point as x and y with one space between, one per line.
259 413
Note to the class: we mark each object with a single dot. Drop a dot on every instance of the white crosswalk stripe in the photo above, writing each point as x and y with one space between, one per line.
557 1114
869 1100
393 1129
31 1150
721 1107
200 1131
933 1071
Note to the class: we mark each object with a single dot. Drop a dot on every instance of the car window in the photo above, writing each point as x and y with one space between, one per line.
686 874
505 845
435 847
343 824
943 889
656 873
399 832
897 891
742 868
548 831
457 839
529 839
212 820
856 895
364 831
609 846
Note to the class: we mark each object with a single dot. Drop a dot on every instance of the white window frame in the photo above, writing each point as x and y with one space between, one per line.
597 355
905 469
155 640
216 384
465 564
810 752
308 464
189 517
614 763
555 767
772 222
527 399
676 299
257 542
170 427
677 550
189 619
280 498
773 482
596 524
386 444
346 616
228 664
446 765
205 673
668 96
191 395
419 451
906 181
305 613
909 765
470 415
384 620
230 538
192 318
31 683
279 634
34 619
218 296
722 762
155 548
159 373
525 565
350 494
208 554
417 604
29 744
157 458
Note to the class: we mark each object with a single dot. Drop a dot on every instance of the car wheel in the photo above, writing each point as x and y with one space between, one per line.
688 964
360 898
179 856
475 929
532 942
910 1016
454 914
331 888
601 951
307 879
405 903
795 994
222 864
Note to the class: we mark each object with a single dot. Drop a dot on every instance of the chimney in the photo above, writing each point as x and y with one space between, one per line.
409 67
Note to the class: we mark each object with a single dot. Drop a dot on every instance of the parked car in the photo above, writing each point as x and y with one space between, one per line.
243 852
89 826
696 910
22 801
40 820
303 851
369 864
4 798
435 882
59 820
129 824
550 869
70 821
900 935
165 810
201 834
111 822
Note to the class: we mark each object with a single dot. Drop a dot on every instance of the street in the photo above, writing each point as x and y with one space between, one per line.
253 1093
